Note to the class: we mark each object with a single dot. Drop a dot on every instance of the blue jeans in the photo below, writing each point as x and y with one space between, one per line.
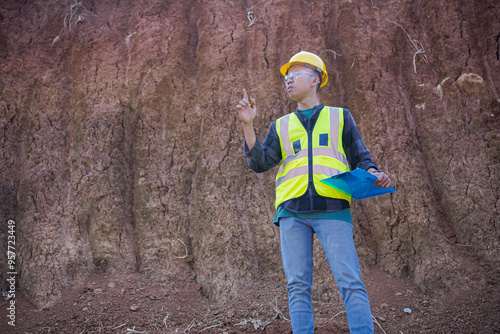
336 238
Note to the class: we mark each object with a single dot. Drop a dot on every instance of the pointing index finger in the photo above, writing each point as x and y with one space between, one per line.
245 95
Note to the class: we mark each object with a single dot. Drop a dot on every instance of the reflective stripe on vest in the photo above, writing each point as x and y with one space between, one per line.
328 156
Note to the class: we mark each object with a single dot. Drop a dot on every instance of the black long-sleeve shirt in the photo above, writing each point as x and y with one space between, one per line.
265 156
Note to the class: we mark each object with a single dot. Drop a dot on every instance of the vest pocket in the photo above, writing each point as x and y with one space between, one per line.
323 139
296 146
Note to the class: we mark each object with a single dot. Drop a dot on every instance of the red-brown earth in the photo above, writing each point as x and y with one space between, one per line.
106 304
122 164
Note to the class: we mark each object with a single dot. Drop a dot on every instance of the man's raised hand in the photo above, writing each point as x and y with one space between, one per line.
247 109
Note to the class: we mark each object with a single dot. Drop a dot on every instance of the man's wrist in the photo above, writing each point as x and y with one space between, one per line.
373 170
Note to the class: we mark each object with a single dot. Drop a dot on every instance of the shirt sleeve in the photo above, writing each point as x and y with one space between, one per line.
265 156
356 151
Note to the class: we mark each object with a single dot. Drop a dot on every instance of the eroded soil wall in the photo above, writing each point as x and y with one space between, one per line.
121 150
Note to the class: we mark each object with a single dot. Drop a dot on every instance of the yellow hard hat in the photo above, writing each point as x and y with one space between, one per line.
310 60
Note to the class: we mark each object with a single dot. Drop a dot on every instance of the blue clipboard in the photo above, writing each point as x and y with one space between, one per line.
357 183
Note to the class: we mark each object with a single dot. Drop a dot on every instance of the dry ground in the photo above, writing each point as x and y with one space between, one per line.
134 303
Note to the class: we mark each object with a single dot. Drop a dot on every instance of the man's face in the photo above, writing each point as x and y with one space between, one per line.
299 81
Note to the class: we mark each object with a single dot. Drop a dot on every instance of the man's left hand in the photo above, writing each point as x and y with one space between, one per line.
382 180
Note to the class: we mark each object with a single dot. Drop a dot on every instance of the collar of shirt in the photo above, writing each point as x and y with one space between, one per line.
304 120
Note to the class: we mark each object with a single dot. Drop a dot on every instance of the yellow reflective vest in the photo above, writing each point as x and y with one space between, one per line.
310 156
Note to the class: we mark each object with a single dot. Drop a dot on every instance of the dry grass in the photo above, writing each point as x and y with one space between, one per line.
335 54
378 324
339 313
418 46
251 16
183 244
374 320
132 330
74 14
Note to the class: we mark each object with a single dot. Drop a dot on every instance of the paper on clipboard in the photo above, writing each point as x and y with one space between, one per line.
357 183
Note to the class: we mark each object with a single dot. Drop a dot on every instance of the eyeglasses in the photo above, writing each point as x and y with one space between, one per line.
295 73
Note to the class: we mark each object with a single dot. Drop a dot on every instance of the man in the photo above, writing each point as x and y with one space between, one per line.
313 143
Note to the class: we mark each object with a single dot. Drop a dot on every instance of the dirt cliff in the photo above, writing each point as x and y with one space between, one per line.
121 150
